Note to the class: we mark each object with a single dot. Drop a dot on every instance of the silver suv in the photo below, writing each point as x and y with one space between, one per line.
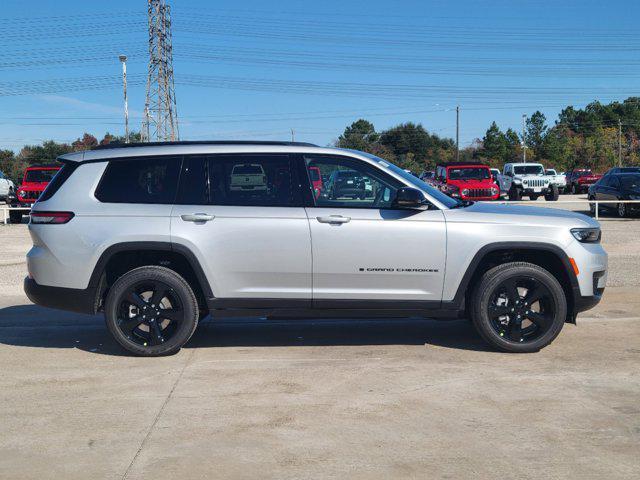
156 236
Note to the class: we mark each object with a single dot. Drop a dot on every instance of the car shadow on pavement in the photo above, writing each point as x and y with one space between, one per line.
33 326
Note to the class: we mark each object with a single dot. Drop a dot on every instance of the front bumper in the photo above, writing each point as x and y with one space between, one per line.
70 299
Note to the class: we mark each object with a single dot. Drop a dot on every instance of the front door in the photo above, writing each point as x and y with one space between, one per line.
363 249
243 217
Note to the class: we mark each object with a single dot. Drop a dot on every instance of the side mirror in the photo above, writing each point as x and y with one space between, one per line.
410 198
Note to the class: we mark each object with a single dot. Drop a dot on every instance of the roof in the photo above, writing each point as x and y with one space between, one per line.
106 152
198 142
462 164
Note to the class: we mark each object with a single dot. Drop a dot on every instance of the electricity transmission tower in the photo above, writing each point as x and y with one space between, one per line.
160 111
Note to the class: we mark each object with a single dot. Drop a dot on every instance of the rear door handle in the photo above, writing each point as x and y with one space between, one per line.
335 219
197 217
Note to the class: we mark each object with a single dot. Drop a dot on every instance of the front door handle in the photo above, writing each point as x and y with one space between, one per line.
334 219
197 217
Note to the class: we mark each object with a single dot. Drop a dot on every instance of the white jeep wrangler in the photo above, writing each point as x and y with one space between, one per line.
528 179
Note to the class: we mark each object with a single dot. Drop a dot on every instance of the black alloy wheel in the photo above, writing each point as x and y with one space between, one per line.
521 309
151 311
518 307
622 210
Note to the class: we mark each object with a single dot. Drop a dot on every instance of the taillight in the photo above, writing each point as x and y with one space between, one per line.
55 218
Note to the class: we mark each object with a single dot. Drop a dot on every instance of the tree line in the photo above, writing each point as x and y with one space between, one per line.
586 137
594 137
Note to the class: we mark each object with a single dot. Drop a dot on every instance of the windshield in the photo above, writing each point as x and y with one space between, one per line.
469 173
528 170
415 181
39 176
583 173
247 170
622 169
631 182
551 172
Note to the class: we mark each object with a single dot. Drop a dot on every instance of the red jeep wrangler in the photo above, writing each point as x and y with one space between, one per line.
36 178
466 181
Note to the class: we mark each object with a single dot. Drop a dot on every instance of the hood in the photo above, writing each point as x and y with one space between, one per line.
520 215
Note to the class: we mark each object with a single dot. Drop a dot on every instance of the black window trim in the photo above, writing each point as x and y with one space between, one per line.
308 189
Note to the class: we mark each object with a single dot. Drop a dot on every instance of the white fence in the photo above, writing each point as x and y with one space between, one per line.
6 210
588 203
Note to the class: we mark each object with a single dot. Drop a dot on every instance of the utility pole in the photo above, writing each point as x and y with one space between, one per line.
161 111
619 142
123 60
524 139
458 133
293 135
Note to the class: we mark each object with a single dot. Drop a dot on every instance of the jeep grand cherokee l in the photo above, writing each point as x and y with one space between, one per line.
154 236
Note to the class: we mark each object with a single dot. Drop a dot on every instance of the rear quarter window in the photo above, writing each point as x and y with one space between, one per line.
140 180
58 180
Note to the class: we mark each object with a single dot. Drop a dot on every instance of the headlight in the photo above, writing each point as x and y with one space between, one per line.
494 190
22 194
465 191
525 182
517 180
587 235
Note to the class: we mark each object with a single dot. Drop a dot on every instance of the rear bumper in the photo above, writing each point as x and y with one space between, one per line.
70 299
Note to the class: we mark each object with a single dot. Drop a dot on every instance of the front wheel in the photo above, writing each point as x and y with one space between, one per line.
574 189
518 307
15 216
622 210
552 194
151 311
514 193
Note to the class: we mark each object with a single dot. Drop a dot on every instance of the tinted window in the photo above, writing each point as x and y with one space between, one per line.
59 178
140 180
528 169
40 176
261 180
631 182
193 188
351 183
469 173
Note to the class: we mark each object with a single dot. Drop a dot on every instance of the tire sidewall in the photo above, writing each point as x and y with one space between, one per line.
180 287
491 280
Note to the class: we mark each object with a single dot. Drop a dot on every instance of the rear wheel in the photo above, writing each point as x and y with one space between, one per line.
151 311
574 189
518 307
15 216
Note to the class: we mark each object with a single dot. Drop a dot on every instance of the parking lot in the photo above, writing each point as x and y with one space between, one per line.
251 398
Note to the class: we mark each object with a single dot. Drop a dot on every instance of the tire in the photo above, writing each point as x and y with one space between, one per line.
622 210
552 194
519 334
533 197
574 189
130 300
592 207
15 216
514 193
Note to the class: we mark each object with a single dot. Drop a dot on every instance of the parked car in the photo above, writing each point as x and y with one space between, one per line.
248 177
6 187
497 178
156 260
528 179
580 179
35 181
616 186
346 183
622 170
316 180
466 181
557 178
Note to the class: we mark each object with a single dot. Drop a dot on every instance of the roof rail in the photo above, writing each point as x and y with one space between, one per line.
201 142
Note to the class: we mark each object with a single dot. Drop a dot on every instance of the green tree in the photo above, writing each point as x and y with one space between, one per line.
494 145
536 129
360 135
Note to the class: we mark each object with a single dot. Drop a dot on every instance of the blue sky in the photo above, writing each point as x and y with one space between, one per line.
256 70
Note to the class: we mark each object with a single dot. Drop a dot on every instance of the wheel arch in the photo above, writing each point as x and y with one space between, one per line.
547 256
120 258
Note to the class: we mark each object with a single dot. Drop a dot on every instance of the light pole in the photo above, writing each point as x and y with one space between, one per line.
123 59
524 139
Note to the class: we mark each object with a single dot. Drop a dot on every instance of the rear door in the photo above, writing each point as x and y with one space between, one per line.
252 237
364 250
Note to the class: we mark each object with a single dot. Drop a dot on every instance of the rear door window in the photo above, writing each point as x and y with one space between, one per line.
140 180
260 180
